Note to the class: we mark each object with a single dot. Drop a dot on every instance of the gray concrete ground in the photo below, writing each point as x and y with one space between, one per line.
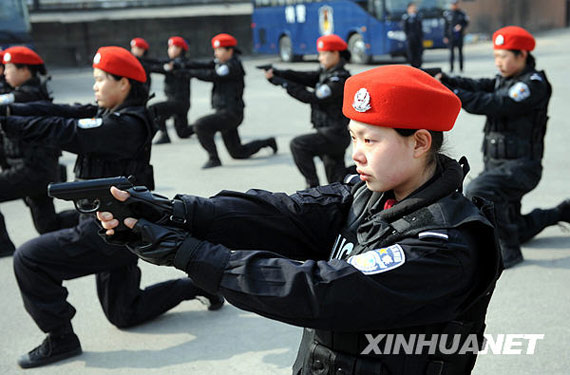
531 298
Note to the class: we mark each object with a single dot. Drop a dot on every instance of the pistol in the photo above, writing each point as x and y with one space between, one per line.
432 71
265 67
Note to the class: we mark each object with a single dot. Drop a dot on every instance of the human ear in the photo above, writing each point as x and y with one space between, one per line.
422 142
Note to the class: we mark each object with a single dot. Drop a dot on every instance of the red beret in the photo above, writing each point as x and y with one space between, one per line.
21 55
399 96
513 37
223 40
120 62
331 42
1 57
178 41
141 43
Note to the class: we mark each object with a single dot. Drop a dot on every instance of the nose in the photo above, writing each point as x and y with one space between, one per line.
357 155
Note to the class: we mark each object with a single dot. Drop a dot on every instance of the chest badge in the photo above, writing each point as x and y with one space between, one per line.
379 260
361 101
88 123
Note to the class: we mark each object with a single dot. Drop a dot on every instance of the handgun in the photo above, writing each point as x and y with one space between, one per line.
90 196
265 67
432 71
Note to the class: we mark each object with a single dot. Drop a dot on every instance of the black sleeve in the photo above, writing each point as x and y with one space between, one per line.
501 102
308 79
154 66
428 287
219 73
100 135
300 226
484 84
46 108
327 92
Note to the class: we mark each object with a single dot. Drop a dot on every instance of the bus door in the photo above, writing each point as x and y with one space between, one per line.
294 41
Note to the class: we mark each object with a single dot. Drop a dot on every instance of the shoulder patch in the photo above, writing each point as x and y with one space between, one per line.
536 77
378 261
334 79
7 99
323 91
222 70
519 92
88 123
440 234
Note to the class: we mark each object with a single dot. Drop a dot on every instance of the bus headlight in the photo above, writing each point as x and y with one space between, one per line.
397 35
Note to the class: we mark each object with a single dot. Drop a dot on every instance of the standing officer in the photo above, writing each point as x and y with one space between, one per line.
401 252
227 74
412 26
332 138
176 90
139 48
114 141
27 167
515 103
455 23
4 86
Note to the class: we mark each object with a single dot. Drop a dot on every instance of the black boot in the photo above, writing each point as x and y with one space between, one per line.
7 247
54 348
213 301
511 255
564 210
162 138
212 163
271 142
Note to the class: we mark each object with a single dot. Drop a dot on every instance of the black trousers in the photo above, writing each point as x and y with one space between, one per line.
42 264
226 122
331 151
504 183
452 46
176 109
31 185
415 50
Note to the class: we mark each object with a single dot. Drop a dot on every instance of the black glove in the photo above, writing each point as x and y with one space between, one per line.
156 244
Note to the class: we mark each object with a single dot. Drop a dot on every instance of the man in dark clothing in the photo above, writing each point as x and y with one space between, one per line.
516 105
176 90
27 167
112 140
455 23
227 74
325 97
412 26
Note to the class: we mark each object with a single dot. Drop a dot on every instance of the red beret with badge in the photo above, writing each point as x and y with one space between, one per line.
223 40
178 41
140 43
120 62
399 96
514 38
21 55
331 42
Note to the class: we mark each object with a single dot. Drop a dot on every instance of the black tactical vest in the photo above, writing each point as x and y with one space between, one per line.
228 94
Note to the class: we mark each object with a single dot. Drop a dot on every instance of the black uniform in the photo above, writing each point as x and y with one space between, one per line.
108 144
5 88
332 260
227 101
454 37
412 26
332 137
516 110
177 104
28 167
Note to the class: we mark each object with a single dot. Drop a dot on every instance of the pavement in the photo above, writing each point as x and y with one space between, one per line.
531 298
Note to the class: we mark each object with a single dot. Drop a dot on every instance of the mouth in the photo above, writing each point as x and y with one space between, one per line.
363 176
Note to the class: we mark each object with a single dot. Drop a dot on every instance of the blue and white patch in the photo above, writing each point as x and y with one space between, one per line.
222 70
334 79
519 92
434 234
7 99
323 91
378 261
89 123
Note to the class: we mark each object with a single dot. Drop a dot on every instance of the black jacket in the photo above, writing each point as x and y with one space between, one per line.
107 143
453 18
325 99
516 110
176 81
228 79
412 26
331 260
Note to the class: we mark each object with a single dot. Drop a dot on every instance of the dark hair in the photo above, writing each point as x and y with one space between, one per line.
346 55
138 93
410 4
530 60
436 142
236 50
34 69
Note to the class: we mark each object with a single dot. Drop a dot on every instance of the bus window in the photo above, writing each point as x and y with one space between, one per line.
14 23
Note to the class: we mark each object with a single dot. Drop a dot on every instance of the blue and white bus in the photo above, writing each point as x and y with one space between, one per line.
14 23
370 27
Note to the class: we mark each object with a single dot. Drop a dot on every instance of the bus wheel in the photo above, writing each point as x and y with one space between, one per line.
357 50
286 50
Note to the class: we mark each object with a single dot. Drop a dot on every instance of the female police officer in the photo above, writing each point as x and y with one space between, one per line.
400 252
331 139
27 167
114 141
515 103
